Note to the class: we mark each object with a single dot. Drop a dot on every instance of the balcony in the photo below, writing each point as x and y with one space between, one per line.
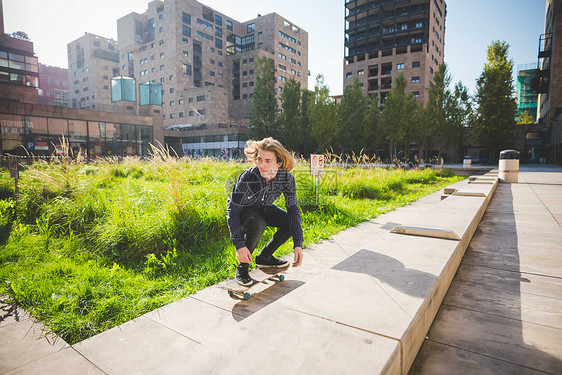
545 45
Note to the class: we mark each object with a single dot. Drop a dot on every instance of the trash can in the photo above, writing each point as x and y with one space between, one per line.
509 166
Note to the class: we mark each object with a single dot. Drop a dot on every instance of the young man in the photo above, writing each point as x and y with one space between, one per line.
250 206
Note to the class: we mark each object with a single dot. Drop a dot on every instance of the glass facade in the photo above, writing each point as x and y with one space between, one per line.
223 146
123 88
150 93
42 136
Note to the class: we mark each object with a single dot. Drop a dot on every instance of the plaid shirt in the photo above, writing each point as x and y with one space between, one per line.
252 190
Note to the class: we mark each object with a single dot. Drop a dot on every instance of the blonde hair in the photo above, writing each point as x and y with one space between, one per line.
269 144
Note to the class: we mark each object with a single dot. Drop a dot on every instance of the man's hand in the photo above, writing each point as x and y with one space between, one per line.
243 255
298 256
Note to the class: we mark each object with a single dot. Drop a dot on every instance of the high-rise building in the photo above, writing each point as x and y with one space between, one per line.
550 63
205 62
92 62
386 38
53 86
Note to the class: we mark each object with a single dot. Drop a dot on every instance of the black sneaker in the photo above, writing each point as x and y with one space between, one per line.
242 276
272 262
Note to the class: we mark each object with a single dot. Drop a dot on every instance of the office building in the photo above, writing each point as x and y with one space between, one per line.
205 62
386 38
53 86
92 62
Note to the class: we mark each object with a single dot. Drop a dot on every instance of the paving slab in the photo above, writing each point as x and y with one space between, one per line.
493 278
66 361
285 341
194 319
436 359
25 341
530 345
140 346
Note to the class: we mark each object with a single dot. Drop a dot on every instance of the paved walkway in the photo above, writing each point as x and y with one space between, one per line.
503 311
306 322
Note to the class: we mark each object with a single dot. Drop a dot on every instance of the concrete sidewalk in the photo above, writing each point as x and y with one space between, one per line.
359 304
503 311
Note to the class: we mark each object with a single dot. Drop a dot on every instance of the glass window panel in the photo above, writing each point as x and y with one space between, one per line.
38 125
16 57
16 65
57 127
77 129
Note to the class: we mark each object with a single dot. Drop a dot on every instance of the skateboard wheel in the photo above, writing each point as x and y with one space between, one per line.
230 293
246 296
281 277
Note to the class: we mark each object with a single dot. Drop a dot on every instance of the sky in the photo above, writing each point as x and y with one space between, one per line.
470 27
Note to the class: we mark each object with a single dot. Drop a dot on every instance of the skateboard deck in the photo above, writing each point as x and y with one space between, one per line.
258 275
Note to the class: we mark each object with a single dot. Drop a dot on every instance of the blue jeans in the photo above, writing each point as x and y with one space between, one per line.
256 219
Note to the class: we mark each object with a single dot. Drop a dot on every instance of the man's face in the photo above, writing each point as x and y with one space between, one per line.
267 164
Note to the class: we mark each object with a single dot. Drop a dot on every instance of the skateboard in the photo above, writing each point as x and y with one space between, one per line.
258 275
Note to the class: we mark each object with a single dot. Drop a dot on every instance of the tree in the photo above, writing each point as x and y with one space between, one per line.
372 126
323 120
495 124
399 117
458 110
289 121
263 113
307 142
20 35
433 127
352 118
525 118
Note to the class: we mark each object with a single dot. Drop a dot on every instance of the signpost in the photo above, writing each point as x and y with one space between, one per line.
14 171
316 169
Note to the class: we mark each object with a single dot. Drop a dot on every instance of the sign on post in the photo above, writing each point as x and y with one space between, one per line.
316 164
13 166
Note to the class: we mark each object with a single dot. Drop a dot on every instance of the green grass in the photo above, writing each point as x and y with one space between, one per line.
88 247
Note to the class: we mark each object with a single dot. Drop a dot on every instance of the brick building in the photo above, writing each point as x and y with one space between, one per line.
386 38
204 61
550 63
92 62
53 86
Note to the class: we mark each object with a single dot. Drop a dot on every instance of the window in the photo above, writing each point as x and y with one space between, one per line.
219 75
260 33
185 53
287 47
281 78
172 90
282 56
161 54
360 72
201 98
287 37
218 20
399 66
415 64
415 79
229 25
251 28
212 73
185 18
204 35
282 67
218 32
186 30
293 61
171 103
187 69
416 94
205 23
260 45
293 71
160 29
348 75
251 71
419 25
180 115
